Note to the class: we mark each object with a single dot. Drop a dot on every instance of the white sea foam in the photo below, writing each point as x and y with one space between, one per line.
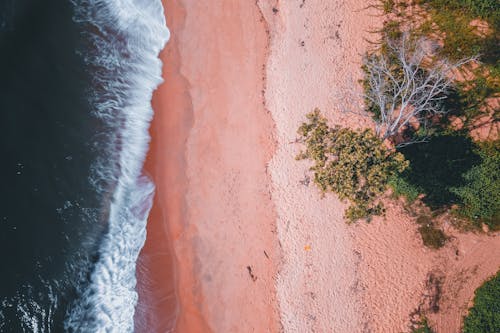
124 40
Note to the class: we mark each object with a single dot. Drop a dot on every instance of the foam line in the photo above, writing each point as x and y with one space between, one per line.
125 38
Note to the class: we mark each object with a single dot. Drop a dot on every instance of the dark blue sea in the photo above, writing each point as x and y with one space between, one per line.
76 79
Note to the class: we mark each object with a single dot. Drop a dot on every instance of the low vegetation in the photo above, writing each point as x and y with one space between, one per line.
422 327
461 29
353 164
436 65
431 236
479 197
451 170
402 188
405 88
484 316
450 47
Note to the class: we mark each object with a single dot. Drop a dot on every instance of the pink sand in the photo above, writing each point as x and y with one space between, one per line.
245 245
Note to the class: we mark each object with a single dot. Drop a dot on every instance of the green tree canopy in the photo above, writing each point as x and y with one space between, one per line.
484 316
480 196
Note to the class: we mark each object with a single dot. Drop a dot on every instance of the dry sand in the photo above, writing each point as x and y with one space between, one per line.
238 241
335 277
398 276
316 47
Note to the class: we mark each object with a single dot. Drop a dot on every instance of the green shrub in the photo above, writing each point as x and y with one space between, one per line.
484 316
485 9
401 187
388 6
353 164
480 196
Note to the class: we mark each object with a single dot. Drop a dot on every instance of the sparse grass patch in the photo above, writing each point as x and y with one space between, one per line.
432 236
488 10
392 30
424 220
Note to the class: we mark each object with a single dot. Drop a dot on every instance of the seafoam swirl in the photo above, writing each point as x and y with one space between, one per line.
124 38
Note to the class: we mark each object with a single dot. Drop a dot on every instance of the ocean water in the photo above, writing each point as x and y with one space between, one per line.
75 90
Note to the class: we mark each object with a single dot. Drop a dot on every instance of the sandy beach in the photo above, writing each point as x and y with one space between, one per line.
212 138
239 240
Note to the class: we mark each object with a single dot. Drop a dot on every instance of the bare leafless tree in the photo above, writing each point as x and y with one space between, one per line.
405 86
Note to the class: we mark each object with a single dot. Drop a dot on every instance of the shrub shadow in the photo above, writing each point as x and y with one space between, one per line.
438 166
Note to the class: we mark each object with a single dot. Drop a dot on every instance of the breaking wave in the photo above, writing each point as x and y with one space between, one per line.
123 39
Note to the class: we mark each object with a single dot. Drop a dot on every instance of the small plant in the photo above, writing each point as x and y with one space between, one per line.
388 6
484 316
353 164
431 236
422 327
424 220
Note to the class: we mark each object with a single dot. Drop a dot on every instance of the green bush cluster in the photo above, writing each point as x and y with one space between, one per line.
401 187
353 164
484 316
488 10
480 196
452 169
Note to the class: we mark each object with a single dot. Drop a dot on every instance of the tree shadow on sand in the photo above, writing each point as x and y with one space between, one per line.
438 166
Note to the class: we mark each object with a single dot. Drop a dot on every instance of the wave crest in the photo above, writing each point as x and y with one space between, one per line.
124 38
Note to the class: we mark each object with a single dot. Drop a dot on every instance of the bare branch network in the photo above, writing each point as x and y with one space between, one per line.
406 88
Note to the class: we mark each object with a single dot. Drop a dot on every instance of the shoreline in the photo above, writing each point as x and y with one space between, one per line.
204 206
176 303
